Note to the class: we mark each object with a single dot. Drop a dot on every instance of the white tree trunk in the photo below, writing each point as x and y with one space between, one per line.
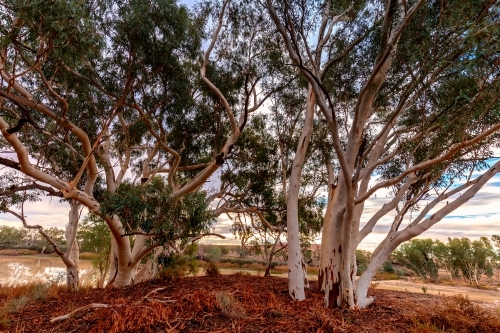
72 256
380 255
295 271
72 277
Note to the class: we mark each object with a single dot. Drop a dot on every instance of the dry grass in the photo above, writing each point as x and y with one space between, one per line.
212 269
229 305
126 317
14 299
17 252
88 256
458 314
386 276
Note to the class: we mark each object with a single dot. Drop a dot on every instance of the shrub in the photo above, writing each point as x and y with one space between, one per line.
387 267
212 269
214 253
362 260
229 305
417 255
172 266
224 250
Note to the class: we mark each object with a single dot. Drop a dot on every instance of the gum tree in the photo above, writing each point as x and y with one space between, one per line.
409 93
100 100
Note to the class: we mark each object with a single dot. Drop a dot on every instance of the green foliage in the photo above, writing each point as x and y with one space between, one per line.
444 259
387 267
224 250
212 269
172 266
214 253
417 255
362 259
10 180
94 236
152 209
22 238
11 237
462 256
242 251
191 250
472 258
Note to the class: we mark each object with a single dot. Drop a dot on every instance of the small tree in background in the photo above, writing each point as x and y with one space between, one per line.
472 258
444 259
417 255
224 250
362 260
94 237
11 237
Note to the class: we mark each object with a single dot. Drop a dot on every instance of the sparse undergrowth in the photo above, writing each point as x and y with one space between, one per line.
236 303
14 299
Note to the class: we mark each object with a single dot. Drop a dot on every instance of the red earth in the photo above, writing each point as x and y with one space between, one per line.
242 303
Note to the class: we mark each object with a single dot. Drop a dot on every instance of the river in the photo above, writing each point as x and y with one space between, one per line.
16 270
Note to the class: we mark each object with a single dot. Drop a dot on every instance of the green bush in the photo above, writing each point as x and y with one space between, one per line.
214 253
212 269
387 267
172 266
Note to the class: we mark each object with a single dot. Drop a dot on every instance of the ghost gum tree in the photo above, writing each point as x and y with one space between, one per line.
409 92
254 185
93 93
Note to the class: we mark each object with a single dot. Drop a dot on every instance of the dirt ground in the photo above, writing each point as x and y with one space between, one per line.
489 298
243 303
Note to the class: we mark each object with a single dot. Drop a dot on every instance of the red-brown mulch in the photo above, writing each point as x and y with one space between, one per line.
237 303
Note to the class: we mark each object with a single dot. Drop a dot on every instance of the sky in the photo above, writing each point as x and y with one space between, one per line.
478 217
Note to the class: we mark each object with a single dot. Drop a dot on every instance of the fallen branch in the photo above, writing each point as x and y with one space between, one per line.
165 299
154 291
161 301
100 305
72 313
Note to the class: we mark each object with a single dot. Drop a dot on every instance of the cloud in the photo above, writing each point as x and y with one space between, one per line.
48 212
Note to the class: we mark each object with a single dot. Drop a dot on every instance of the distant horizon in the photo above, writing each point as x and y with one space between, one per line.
477 218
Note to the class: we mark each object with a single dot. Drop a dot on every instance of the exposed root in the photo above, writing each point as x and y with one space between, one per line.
364 303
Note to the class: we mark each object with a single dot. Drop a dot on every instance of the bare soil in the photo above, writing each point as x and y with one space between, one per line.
244 303
490 298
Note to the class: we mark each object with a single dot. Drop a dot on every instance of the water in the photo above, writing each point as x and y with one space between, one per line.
17 270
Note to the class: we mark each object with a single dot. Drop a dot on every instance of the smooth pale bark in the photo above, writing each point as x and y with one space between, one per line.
295 264
417 227
72 253
72 277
